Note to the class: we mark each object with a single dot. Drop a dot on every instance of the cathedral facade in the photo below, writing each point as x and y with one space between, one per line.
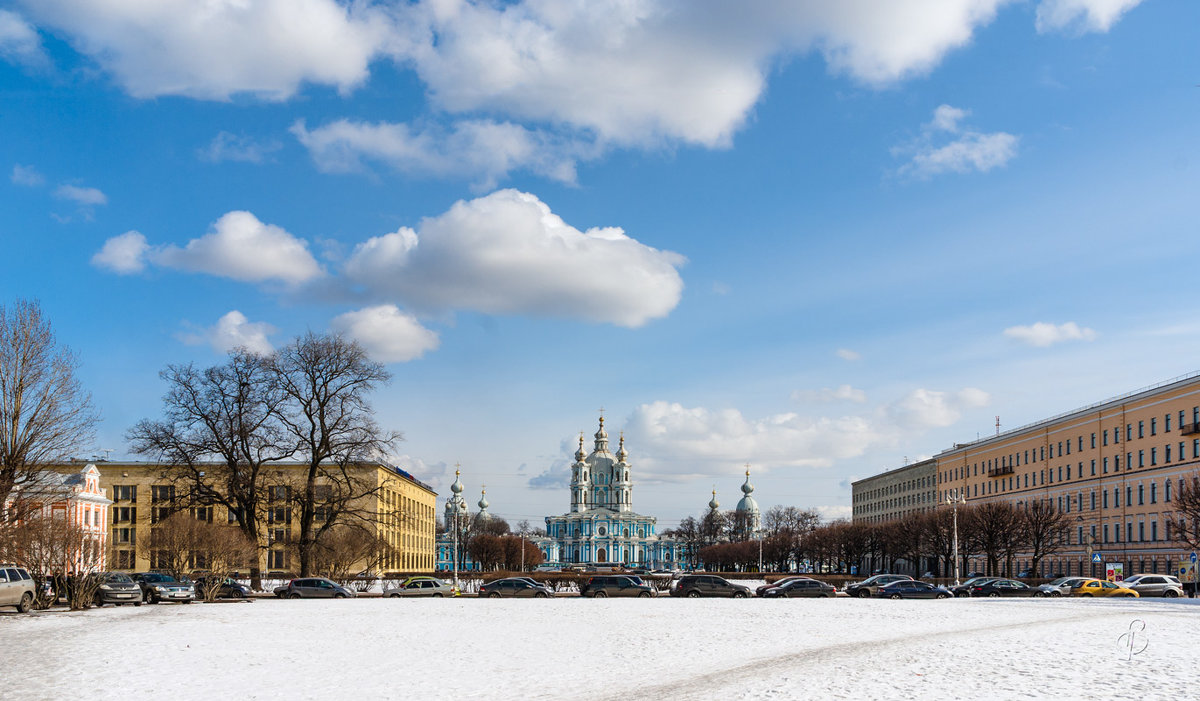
602 526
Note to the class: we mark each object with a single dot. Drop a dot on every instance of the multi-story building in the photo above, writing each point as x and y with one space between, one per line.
75 497
1113 468
895 493
399 508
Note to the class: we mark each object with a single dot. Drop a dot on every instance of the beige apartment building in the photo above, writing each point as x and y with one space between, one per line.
895 493
1113 468
401 509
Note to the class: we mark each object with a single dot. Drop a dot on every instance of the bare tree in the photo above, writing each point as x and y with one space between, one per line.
349 551
1043 530
219 434
53 548
327 380
171 544
487 550
1185 525
222 550
45 415
994 529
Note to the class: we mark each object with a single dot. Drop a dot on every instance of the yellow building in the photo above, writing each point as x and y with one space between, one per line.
399 508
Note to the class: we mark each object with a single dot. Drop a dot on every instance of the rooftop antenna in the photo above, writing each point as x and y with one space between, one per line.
997 425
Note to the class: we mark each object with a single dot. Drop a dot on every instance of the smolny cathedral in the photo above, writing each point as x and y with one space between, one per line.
601 525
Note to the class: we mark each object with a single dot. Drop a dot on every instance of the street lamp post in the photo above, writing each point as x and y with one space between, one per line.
522 549
760 543
454 552
954 498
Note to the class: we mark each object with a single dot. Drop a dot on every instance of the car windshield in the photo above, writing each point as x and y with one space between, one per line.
118 577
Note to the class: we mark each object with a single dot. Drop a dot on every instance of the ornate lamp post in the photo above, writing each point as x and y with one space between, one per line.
954 498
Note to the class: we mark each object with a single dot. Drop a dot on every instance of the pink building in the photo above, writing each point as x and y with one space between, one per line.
78 499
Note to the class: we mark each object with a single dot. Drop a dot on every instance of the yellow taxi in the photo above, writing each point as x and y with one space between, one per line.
1100 587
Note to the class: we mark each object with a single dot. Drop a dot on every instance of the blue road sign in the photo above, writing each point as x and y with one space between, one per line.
1193 557
1097 558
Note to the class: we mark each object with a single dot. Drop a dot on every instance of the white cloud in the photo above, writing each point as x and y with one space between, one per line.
84 196
388 334
243 248
834 513
27 176
233 147
436 475
123 254
507 253
924 409
848 355
969 151
1081 15
19 40
481 149
841 393
234 330
213 50
1043 334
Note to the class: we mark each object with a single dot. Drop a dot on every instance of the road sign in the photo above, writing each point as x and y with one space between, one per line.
1193 557
1098 558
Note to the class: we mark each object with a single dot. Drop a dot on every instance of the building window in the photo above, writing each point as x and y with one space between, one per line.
124 514
1068 472
126 492
279 492
1154 492
1154 456
1093 467
160 513
1195 449
203 513
1104 437
1141 495
1093 439
1154 427
276 559
1167 453
125 560
1104 466
1141 429
1093 501
1106 533
1128 495
162 493
1167 491
1154 532
1116 497
1129 532
279 514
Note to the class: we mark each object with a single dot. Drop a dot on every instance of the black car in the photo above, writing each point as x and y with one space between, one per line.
227 588
870 585
515 587
912 589
695 585
801 587
116 588
964 589
615 585
1002 587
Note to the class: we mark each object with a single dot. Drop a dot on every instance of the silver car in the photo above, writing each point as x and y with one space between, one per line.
314 588
421 586
1155 585
1059 587
17 588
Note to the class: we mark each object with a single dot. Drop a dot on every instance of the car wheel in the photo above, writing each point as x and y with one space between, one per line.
494 595
863 594
943 596
237 595
1170 594
98 602
739 595
1056 593
599 595
26 603
993 595
962 595
1086 596
437 595
186 601
339 596
644 595
895 596
541 595
295 595
693 594
393 596
137 603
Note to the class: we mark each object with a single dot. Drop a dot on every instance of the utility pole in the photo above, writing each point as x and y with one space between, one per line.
954 498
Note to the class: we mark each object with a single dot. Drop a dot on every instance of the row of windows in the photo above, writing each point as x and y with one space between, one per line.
897 488
1142 459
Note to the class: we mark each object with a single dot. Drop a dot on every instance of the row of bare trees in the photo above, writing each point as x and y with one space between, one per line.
490 542
224 428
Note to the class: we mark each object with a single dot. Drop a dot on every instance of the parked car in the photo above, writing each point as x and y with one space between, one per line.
912 589
964 589
158 587
1100 587
227 588
1002 587
116 588
799 587
516 588
1059 587
1155 585
778 583
870 585
314 588
694 585
615 585
17 588
972 575
421 586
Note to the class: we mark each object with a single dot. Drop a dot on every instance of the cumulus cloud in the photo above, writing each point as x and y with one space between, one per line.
507 253
234 330
841 393
482 149
213 50
241 247
388 334
1042 334
924 409
848 355
27 176
124 254
834 513
1081 15
83 196
234 147
966 151
19 40
436 475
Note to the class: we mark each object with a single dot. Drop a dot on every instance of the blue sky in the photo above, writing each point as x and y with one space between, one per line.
817 238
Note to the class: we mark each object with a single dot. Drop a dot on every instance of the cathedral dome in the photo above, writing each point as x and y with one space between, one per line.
457 486
713 503
747 505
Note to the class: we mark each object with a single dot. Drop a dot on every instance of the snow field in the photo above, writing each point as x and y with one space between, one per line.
605 649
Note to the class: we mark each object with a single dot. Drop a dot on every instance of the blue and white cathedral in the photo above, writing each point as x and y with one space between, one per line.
602 525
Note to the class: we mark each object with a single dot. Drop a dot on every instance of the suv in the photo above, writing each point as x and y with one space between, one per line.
1155 585
615 585
870 585
694 585
17 588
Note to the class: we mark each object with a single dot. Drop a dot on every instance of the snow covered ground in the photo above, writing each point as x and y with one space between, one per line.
605 649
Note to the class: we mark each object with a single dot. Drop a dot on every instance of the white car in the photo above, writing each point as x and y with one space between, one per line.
1155 585
17 588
